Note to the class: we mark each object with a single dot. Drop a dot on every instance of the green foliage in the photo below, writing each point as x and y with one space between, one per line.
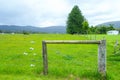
75 20
85 27
92 30
110 27
26 32
100 29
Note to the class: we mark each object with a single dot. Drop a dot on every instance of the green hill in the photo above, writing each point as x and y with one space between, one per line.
116 24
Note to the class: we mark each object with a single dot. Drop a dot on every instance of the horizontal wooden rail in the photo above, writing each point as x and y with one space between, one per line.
71 42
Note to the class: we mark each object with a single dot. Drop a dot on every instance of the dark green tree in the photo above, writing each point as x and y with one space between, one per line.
26 32
102 29
0 31
75 21
85 27
110 27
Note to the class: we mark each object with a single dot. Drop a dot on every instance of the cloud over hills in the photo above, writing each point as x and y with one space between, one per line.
43 13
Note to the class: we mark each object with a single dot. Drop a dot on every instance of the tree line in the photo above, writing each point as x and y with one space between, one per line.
21 32
78 24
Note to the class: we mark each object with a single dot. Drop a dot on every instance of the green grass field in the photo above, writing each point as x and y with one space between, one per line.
66 61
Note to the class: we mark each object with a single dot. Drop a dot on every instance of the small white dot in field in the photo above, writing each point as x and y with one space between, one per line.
32 42
25 53
32 65
34 54
31 48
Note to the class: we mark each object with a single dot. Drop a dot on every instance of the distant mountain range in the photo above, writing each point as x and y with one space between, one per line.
15 28
50 29
116 24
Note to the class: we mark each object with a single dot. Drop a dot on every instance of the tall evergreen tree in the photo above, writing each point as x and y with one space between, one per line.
74 21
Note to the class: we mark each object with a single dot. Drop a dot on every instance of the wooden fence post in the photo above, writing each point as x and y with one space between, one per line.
45 60
102 58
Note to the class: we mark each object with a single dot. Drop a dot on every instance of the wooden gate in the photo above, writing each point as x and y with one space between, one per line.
101 52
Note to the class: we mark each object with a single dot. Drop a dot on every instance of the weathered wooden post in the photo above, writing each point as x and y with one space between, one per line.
102 58
45 60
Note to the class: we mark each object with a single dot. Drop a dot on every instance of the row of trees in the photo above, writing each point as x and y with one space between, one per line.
77 24
100 29
19 32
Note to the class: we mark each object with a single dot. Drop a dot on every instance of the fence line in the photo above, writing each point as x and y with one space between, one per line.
101 52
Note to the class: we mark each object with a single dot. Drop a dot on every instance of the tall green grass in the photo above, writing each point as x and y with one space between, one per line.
65 61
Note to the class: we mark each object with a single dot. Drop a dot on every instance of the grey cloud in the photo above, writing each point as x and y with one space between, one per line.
36 12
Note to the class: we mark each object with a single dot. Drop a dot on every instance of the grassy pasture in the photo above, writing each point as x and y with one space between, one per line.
66 61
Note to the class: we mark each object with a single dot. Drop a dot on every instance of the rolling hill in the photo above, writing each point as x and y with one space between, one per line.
116 24
15 28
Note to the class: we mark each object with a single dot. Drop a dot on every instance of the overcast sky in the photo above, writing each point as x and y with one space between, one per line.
44 13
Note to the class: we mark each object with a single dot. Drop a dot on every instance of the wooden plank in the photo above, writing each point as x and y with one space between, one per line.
102 57
45 60
72 42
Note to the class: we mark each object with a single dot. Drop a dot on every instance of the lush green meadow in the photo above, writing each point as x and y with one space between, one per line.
66 61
